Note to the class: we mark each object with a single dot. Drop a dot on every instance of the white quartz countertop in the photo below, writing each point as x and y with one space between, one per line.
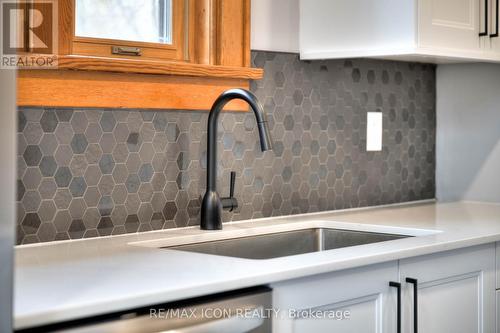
68 280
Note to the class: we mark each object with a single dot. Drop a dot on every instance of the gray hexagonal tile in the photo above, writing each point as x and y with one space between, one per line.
31 223
105 206
92 196
47 211
108 122
76 229
105 226
133 183
79 122
170 210
63 176
32 155
106 164
49 121
79 143
77 187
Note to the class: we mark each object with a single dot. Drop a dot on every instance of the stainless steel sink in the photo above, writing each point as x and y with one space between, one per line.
287 243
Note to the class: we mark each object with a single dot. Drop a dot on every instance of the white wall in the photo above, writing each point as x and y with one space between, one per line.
275 25
468 132
7 193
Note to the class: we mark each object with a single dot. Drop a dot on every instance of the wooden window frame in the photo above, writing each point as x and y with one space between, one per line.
210 54
211 41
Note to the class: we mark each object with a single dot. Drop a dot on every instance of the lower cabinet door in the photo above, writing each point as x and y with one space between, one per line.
350 301
455 291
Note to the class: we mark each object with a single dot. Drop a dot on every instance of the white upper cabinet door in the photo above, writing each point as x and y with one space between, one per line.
354 28
363 292
453 26
456 291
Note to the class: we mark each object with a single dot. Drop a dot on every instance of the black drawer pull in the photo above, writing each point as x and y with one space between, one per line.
397 285
485 33
414 282
496 21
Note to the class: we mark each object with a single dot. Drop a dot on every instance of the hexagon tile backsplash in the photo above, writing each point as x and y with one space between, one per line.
89 173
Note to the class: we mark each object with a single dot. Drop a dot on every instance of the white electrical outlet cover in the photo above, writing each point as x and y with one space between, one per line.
374 131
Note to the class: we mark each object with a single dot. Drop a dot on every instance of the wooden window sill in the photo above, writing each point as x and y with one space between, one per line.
100 82
140 66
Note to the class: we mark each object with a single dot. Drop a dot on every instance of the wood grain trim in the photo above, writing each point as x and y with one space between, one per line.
202 30
56 88
91 63
232 29
247 57
66 26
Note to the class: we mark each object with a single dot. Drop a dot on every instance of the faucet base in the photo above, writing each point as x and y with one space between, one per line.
211 212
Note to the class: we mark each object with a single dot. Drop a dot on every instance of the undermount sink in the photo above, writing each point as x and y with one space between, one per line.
287 243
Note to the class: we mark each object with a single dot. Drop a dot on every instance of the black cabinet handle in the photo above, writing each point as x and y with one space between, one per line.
496 21
414 282
397 285
485 33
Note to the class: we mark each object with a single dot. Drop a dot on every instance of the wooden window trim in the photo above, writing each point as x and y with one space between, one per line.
216 57
204 51
120 65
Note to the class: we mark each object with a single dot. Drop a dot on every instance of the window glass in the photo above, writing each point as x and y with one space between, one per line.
130 20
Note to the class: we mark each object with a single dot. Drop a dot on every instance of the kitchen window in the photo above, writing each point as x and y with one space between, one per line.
132 20
130 28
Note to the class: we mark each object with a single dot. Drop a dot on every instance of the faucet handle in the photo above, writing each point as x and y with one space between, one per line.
230 203
232 181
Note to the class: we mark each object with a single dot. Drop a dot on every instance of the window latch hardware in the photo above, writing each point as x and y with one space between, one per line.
126 50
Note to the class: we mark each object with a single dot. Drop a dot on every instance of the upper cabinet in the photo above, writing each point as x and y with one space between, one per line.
437 31
168 54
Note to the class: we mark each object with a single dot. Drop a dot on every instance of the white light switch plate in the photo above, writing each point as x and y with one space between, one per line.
374 131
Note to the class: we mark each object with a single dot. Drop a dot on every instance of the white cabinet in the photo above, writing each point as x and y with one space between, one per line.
451 25
455 289
364 292
417 30
275 25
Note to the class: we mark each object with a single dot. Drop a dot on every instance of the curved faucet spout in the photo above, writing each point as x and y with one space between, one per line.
211 209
